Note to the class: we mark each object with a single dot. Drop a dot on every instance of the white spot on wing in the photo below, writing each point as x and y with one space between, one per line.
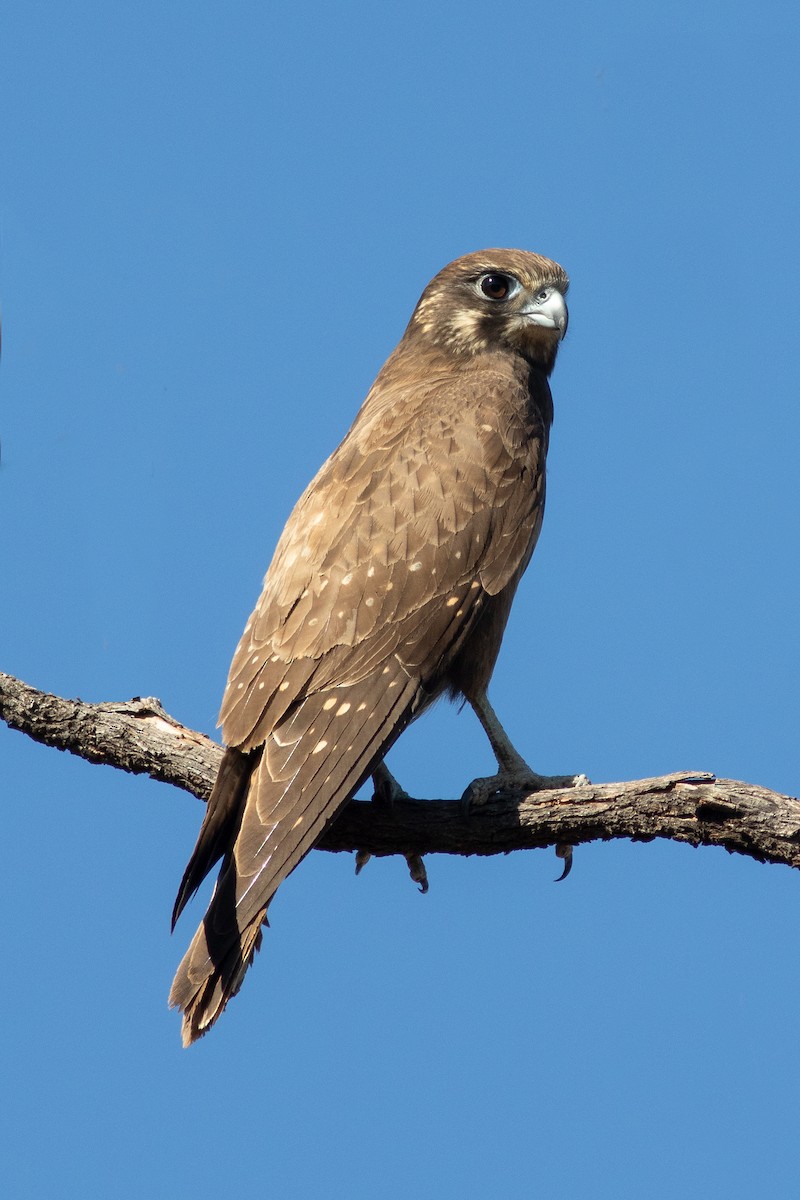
319 746
343 708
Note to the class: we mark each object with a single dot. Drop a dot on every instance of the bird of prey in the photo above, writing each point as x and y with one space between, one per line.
390 585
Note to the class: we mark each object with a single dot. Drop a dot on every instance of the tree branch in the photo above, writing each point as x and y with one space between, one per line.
694 807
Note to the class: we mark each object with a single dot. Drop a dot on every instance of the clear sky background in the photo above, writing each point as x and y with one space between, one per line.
215 224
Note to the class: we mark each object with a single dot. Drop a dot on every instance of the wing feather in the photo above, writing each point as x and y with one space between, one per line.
385 566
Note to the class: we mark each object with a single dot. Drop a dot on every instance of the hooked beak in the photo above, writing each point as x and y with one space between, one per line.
550 313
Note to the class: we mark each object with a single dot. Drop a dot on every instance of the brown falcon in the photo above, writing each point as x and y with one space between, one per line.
391 584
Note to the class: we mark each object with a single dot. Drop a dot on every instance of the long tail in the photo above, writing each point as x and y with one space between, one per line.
207 979
293 793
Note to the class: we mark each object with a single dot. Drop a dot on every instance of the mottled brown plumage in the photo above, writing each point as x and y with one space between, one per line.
391 583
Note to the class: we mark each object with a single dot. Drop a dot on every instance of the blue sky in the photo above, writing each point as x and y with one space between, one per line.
215 225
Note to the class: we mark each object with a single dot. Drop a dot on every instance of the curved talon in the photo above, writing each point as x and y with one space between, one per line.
417 871
472 795
362 858
564 850
481 790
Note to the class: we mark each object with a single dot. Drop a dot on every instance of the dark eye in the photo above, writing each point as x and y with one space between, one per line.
496 286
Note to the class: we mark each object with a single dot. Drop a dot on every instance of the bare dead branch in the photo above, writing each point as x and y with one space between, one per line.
135 735
689 806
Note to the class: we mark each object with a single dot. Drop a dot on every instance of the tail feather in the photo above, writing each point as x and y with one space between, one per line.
276 812
203 985
220 824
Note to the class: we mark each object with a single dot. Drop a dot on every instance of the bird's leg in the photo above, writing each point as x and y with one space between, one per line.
386 791
513 774
386 787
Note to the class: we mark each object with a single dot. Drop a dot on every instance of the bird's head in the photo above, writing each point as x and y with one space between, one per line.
496 299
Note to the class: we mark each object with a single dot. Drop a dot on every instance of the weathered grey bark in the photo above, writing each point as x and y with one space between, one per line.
689 806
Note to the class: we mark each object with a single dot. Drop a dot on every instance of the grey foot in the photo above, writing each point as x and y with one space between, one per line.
387 791
386 788
521 779
416 869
